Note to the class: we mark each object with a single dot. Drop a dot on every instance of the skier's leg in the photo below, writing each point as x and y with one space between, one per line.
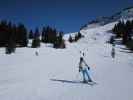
87 73
83 72
112 54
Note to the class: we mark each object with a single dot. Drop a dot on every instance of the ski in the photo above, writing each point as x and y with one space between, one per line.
90 83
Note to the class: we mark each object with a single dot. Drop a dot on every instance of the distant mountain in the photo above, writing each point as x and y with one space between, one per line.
126 13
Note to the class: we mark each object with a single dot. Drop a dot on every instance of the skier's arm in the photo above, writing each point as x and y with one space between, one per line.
87 65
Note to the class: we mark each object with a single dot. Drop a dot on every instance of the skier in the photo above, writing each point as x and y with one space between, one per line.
84 68
36 53
113 52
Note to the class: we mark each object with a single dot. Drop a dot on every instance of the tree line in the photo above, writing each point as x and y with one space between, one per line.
12 36
124 30
75 38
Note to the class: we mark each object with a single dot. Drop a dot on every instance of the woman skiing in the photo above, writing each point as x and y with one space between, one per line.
84 68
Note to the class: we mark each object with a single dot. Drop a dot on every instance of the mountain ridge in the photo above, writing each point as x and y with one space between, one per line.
125 13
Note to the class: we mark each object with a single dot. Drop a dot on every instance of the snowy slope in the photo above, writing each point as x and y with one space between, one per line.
24 76
125 14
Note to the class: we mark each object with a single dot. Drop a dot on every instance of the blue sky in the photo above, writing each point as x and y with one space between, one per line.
65 15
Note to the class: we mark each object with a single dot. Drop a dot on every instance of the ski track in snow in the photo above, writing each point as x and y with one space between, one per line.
24 76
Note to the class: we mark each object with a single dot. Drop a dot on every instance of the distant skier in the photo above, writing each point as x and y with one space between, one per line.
84 68
113 52
36 53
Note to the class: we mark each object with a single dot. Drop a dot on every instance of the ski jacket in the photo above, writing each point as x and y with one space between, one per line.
83 65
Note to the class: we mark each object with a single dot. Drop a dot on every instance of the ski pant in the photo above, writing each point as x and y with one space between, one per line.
86 74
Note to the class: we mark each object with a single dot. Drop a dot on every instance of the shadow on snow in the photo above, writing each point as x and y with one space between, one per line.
72 81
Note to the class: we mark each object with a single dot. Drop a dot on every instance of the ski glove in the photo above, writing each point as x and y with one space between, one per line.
88 68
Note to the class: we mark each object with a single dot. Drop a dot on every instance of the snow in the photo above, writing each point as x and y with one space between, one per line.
25 76
66 36
94 25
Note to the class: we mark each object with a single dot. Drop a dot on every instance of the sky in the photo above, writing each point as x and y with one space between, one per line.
65 15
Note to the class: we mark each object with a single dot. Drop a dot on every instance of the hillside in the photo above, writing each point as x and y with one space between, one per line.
125 14
25 76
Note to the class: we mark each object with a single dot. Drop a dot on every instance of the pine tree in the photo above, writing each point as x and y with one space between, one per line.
79 35
59 43
22 36
43 35
76 38
11 44
31 35
70 39
3 33
36 40
49 35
